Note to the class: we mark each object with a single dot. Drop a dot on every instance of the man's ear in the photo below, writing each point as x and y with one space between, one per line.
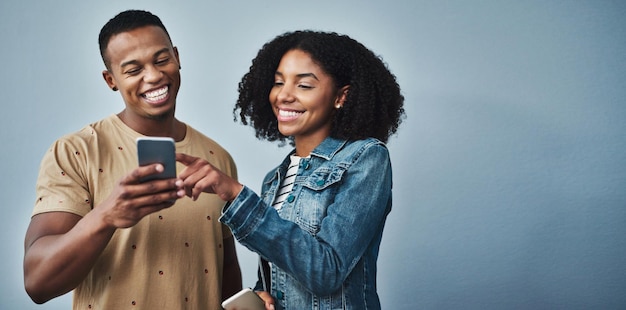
177 57
108 78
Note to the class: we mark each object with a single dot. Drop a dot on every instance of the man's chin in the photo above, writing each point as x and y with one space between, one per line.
162 116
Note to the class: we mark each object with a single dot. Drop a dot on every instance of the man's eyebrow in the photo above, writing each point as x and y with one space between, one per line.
127 63
161 51
135 62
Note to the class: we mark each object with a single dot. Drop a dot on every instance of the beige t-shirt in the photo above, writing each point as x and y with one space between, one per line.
171 259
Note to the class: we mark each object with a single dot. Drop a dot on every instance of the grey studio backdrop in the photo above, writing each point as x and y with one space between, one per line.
509 171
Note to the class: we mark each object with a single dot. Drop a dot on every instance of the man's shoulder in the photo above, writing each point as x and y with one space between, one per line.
201 145
90 133
198 136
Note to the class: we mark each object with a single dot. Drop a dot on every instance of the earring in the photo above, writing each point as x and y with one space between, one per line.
338 106
114 88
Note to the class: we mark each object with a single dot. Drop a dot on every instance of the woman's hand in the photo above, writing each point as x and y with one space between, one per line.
200 176
267 298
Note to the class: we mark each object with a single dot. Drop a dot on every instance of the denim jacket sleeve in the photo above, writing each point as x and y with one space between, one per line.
354 219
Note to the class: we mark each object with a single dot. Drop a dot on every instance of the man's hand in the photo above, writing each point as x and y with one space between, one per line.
131 200
60 248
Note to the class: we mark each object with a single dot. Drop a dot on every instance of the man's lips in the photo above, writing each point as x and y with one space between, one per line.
157 96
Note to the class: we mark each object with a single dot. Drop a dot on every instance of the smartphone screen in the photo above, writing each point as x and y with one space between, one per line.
151 150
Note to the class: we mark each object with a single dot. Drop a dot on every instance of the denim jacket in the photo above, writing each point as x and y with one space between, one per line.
323 242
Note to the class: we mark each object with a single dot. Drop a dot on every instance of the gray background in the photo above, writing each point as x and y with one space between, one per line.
509 171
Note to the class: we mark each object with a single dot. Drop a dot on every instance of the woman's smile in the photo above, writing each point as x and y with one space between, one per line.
288 115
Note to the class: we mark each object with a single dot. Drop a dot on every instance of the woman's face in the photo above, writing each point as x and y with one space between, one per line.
304 99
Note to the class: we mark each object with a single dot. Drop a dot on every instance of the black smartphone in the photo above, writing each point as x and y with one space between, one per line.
151 150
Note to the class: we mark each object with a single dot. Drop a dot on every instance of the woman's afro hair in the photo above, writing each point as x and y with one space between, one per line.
374 103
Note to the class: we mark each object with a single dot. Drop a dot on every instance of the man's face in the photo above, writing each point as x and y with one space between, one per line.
144 67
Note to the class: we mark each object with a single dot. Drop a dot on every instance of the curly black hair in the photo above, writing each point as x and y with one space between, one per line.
126 21
374 103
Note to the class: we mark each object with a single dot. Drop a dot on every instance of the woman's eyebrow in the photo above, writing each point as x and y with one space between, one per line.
300 75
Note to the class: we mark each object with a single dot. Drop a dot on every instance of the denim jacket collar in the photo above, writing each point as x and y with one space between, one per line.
328 148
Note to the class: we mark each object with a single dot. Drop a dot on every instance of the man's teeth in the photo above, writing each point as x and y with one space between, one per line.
157 94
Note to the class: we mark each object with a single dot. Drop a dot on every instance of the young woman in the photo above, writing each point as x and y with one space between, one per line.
320 216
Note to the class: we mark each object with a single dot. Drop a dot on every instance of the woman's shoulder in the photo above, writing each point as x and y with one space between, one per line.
362 145
367 142
353 150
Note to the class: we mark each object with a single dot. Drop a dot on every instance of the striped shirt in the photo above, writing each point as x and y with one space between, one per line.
287 184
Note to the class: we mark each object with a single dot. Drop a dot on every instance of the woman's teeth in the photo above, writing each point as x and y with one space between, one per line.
288 113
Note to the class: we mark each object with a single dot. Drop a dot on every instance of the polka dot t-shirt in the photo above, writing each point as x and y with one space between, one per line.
171 259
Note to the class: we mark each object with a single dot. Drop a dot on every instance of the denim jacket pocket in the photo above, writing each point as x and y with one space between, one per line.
324 177
316 195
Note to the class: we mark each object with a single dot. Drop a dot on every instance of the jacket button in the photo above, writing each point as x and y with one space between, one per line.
279 295
290 198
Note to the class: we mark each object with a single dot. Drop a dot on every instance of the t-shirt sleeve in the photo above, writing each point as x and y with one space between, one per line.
62 185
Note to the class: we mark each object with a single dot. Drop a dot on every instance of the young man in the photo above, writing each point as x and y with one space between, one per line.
116 241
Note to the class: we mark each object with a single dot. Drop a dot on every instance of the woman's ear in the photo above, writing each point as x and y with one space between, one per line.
341 97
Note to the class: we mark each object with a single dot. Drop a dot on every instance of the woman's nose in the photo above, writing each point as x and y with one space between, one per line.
285 93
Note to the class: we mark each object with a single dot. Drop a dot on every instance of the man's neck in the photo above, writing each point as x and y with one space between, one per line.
168 126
